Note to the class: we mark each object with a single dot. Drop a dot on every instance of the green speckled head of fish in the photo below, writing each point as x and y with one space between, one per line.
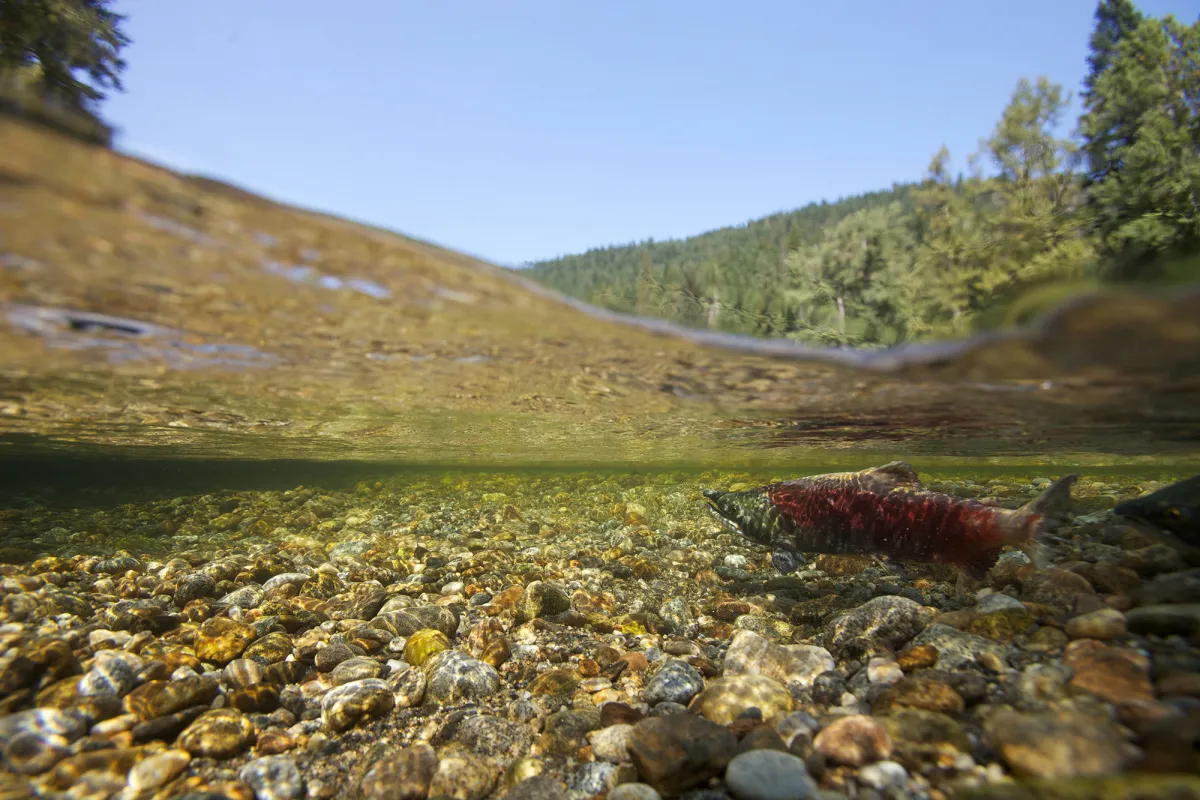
748 513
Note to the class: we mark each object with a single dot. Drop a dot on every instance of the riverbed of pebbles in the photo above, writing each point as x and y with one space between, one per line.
578 636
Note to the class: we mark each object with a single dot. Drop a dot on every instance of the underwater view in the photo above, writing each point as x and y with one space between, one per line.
893 497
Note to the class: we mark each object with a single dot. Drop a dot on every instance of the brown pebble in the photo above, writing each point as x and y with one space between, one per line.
497 652
635 662
1179 683
273 741
619 714
1115 674
922 656
854 741
923 693
1119 602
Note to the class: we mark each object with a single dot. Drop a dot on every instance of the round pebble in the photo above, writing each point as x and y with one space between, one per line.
345 705
158 770
634 791
454 676
273 778
854 740
219 733
769 775
675 682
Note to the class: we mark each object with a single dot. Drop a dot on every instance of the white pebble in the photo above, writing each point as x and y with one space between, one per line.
158 770
884 670
883 774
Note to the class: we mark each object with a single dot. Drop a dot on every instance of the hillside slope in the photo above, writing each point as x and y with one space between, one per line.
742 265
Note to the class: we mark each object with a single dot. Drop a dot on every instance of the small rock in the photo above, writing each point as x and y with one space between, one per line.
33 754
1166 620
1062 744
1105 623
1177 588
403 774
355 669
158 770
1118 675
273 778
795 666
889 620
114 673
592 778
828 688
883 775
997 601
611 743
542 600
923 693
193 587
273 742
541 787
462 775
221 640
249 596
243 672
854 741
345 705
727 698
155 699
270 649
424 644
454 676
500 740
884 670
955 648
331 655
408 687
675 682
219 733
634 791
917 657
769 775
677 752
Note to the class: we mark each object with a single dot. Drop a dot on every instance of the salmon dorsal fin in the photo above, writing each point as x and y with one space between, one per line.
895 473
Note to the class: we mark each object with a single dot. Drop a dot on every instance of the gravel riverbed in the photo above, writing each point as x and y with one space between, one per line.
578 636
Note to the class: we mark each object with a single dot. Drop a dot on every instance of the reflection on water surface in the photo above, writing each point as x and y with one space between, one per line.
144 311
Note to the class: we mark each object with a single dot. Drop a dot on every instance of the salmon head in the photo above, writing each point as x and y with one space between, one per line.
749 513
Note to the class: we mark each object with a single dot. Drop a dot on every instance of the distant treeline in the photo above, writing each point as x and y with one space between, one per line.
1118 201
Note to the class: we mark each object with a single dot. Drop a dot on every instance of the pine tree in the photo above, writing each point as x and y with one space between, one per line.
1115 20
45 46
1146 199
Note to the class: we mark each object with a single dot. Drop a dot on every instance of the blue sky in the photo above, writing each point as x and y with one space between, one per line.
526 129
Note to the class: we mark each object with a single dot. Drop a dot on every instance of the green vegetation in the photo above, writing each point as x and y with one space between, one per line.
952 254
56 59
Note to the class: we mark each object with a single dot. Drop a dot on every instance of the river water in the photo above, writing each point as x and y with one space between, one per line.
191 372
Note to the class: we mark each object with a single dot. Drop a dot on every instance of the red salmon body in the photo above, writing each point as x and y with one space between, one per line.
881 511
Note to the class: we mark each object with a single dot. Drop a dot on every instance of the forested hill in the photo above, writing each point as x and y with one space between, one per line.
676 278
1046 215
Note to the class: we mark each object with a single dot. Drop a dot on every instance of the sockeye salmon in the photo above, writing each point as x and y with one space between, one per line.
1175 508
882 511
